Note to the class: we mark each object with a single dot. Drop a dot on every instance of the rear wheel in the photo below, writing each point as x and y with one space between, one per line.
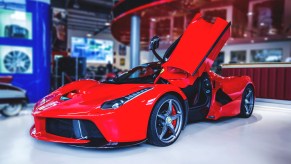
11 110
166 121
247 103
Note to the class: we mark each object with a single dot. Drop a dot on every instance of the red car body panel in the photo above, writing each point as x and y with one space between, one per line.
200 43
234 88
193 56
120 125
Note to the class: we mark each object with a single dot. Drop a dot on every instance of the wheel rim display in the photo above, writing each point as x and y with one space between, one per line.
17 62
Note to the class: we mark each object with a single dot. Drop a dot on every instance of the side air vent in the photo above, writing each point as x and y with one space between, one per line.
162 81
222 97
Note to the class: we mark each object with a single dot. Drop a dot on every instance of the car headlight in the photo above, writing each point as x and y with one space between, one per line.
46 99
113 104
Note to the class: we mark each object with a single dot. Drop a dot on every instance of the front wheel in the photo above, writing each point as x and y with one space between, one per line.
166 121
247 103
11 110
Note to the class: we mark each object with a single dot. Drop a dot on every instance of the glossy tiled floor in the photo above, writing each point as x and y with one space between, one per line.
264 138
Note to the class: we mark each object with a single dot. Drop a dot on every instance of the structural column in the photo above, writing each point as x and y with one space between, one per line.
134 41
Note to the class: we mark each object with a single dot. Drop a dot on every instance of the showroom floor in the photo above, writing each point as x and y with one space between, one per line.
264 138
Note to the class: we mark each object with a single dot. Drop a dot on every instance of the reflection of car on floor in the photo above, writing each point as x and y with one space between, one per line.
16 31
153 101
12 98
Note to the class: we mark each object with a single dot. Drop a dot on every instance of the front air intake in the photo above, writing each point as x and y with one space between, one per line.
72 128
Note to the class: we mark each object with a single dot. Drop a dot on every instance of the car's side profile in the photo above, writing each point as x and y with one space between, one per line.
152 102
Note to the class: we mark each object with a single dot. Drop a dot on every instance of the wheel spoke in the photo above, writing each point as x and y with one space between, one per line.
169 111
247 101
175 116
247 109
164 130
172 129
162 117
249 94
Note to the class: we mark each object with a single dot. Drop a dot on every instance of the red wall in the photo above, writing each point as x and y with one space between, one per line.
272 83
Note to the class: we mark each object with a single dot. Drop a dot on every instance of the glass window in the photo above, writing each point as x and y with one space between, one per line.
217 62
267 55
238 57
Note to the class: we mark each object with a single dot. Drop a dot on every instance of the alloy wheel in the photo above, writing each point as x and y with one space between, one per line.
169 121
249 101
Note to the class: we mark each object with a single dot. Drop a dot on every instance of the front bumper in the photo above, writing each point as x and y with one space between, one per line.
82 133
114 128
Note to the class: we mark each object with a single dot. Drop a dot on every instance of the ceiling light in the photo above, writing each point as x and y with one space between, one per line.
250 13
76 4
262 24
252 41
107 24
245 35
89 35
266 38
272 31
153 19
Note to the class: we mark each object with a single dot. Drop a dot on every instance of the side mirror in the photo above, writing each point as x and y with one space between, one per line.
154 43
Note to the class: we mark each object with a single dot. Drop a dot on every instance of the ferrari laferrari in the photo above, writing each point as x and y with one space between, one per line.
152 102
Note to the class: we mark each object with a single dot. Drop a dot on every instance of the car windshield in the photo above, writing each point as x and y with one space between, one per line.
144 74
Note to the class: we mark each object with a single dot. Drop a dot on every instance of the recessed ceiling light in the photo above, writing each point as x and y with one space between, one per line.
153 19
107 24
250 13
266 38
245 35
252 41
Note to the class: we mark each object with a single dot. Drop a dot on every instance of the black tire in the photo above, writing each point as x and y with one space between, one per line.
247 103
165 125
11 110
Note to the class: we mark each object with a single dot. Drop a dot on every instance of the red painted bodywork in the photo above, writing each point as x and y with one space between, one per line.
193 56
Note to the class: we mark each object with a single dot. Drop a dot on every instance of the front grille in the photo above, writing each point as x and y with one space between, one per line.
71 128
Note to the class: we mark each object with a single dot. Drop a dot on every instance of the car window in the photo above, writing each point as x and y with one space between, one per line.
141 74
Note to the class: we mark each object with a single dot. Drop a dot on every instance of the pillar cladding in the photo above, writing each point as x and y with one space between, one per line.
135 41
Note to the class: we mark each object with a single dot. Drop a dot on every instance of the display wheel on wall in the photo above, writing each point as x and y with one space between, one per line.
17 62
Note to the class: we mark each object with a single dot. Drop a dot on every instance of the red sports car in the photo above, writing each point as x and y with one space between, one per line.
152 102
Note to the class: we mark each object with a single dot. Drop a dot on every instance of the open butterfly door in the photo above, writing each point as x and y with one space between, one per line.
199 45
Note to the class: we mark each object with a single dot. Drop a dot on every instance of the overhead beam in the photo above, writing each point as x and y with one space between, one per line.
82 28
84 25
86 13
86 22
86 18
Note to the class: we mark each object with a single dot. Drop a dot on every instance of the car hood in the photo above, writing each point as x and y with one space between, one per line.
200 43
89 93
